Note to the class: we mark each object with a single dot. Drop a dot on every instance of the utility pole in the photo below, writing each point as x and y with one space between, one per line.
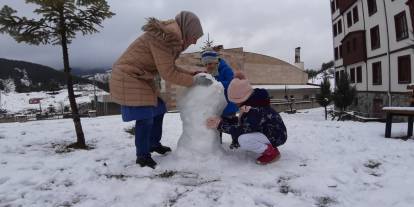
95 98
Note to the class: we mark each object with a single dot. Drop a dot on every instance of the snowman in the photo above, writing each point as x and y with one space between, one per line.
196 105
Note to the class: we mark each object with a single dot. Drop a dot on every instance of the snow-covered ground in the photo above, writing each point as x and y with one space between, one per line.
17 102
323 163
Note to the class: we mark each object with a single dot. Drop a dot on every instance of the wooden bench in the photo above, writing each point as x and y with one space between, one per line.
398 111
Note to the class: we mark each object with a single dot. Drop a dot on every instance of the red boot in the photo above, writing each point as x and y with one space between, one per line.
271 154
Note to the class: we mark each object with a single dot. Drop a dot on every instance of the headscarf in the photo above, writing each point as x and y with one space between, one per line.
189 24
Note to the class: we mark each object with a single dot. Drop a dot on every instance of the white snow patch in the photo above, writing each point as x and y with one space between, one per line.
398 108
323 163
16 102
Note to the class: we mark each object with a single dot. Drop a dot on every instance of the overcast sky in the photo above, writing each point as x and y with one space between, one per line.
269 27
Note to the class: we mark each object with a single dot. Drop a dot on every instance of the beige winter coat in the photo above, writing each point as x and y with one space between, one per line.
133 76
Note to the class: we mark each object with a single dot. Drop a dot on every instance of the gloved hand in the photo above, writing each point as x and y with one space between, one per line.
202 80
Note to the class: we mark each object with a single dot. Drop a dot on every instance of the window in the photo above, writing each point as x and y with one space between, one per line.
333 6
359 74
349 19
336 53
355 14
340 51
352 71
336 76
376 74
375 38
401 29
335 32
372 7
339 26
404 69
342 73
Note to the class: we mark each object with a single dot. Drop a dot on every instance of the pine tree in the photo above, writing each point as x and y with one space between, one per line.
325 96
327 65
58 24
344 94
208 43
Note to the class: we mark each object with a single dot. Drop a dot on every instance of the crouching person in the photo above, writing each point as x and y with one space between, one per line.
260 128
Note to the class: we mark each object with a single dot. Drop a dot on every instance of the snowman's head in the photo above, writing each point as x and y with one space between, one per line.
203 100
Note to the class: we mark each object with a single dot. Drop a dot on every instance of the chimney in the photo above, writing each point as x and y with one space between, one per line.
298 63
297 55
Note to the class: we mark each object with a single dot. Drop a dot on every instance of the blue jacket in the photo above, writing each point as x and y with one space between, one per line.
225 75
260 118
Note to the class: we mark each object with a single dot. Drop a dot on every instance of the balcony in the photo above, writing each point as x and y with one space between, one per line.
344 5
354 48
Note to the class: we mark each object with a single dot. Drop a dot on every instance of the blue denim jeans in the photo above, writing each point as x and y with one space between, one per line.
148 134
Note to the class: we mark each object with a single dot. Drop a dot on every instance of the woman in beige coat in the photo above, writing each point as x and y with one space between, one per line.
133 80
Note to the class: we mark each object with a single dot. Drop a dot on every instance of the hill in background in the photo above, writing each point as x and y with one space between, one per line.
22 76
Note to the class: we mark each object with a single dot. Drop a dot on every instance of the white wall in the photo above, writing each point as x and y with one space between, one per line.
384 70
336 13
363 85
338 39
360 24
377 18
394 8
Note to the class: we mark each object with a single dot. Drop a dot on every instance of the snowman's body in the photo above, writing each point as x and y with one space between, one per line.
196 105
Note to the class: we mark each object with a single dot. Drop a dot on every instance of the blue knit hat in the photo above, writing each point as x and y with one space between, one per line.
209 56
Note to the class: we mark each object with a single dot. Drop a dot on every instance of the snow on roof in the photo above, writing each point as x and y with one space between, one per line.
396 108
282 87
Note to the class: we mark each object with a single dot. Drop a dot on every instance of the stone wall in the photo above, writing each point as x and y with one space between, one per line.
299 94
369 104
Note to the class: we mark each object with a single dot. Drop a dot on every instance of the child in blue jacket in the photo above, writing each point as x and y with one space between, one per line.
260 128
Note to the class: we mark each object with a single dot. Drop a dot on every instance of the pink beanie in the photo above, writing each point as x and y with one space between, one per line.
239 90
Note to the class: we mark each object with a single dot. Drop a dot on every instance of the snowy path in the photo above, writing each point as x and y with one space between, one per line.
324 163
